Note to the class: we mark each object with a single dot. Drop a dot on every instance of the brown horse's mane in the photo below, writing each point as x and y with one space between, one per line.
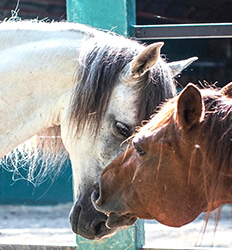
216 130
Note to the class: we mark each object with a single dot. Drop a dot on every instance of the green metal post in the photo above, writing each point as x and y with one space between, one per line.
117 16
125 239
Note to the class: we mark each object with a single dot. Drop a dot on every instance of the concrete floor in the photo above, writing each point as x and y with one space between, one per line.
49 225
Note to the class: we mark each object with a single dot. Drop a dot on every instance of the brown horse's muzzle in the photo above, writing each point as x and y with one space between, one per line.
115 219
98 200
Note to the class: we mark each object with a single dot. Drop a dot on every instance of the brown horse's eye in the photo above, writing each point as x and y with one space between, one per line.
139 150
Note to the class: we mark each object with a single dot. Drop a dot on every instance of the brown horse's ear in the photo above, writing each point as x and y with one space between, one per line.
146 60
189 107
227 90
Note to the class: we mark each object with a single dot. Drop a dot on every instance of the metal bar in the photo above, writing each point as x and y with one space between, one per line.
35 247
187 248
182 31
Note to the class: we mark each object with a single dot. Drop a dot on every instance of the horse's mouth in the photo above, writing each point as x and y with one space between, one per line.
115 220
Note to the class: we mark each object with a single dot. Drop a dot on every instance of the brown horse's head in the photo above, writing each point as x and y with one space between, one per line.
180 163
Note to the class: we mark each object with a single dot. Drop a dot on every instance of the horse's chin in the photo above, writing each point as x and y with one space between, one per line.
116 221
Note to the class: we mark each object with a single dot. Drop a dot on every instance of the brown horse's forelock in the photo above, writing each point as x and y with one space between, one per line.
97 76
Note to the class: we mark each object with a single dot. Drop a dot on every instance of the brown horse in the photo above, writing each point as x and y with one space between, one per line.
180 163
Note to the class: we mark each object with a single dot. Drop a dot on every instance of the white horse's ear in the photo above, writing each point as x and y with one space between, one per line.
227 90
190 107
146 60
177 66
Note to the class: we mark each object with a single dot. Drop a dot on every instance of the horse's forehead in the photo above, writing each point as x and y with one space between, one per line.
123 104
151 134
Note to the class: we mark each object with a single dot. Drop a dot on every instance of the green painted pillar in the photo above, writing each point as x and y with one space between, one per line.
115 15
125 239
118 16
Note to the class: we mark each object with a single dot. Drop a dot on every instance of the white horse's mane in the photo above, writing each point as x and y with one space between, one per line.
38 159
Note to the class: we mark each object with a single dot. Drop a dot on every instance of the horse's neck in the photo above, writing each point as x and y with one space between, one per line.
18 33
35 79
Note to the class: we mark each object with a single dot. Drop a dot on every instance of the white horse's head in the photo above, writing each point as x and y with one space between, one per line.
117 87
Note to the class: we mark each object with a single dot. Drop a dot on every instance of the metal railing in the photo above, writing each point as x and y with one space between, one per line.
182 31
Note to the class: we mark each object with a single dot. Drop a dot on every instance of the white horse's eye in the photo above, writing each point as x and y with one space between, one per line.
122 129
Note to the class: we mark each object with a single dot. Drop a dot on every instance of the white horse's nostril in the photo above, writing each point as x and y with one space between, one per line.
98 202
96 186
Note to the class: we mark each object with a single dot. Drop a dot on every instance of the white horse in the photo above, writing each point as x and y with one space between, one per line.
93 87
